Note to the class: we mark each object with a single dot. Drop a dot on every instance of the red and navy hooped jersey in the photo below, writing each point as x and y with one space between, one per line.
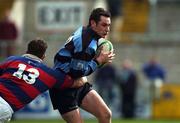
22 79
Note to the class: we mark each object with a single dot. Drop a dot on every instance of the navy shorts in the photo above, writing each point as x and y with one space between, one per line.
69 99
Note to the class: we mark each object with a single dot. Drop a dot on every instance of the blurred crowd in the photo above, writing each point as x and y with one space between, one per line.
127 79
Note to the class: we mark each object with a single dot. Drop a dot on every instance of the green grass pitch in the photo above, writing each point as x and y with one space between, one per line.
95 121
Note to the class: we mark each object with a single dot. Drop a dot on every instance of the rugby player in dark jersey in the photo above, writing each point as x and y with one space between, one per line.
78 59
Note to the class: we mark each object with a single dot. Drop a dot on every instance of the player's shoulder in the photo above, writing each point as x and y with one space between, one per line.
77 34
13 58
78 31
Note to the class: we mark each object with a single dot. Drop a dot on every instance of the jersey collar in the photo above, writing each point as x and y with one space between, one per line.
94 34
33 57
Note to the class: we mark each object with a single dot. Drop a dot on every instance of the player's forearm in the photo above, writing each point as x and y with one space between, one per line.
80 68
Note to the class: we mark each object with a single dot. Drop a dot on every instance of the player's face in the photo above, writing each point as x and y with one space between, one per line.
102 27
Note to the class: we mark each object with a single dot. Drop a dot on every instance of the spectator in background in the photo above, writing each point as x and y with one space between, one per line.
8 35
153 70
115 8
155 74
127 83
105 79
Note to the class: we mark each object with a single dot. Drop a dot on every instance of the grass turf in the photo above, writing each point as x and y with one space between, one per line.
95 121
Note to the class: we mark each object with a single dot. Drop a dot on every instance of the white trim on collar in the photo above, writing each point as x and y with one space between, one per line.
32 57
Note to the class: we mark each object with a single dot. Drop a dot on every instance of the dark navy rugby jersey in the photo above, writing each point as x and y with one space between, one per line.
76 57
23 78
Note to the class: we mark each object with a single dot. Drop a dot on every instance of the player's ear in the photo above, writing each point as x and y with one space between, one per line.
93 23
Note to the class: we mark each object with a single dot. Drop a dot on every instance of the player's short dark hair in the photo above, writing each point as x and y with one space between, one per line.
97 13
37 47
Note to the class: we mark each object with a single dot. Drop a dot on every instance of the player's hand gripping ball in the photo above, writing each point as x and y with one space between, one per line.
104 46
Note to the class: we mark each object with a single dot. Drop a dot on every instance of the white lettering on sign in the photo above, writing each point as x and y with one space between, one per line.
60 15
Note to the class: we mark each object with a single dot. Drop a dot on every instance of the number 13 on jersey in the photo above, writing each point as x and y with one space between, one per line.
30 78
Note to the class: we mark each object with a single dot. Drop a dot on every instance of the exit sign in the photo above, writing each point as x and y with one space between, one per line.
60 15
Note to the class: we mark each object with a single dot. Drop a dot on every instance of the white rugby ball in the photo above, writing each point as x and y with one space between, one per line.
106 44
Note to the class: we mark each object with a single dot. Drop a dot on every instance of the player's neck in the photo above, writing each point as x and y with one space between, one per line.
32 57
